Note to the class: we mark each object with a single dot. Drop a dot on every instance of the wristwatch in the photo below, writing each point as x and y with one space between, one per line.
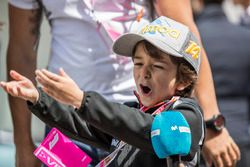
216 123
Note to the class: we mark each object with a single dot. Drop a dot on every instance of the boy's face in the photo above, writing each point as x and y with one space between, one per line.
155 78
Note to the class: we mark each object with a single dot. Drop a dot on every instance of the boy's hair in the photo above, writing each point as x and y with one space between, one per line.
185 72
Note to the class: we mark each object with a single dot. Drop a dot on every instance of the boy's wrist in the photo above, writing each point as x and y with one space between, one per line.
35 99
78 102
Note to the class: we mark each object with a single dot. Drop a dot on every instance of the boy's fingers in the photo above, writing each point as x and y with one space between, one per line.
7 87
48 92
63 73
10 90
24 83
3 85
46 85
44 80
14 90
15 75
51 75
21 93
19 90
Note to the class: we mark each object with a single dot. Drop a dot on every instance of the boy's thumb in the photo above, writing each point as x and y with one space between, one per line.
15 75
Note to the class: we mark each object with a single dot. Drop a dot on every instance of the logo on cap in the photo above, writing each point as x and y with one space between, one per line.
193 49
152 29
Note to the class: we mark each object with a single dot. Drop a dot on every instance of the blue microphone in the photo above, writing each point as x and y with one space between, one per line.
170 134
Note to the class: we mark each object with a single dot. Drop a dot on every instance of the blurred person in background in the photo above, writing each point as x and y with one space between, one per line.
82 34
245 17
227 47
237 11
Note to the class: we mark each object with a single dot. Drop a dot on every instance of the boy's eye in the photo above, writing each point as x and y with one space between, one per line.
138 64
158 66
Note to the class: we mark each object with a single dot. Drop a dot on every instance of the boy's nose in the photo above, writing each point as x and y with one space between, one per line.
146 73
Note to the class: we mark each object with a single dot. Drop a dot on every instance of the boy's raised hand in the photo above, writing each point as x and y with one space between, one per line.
60 87
20 87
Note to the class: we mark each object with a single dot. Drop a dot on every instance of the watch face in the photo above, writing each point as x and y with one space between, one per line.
219 122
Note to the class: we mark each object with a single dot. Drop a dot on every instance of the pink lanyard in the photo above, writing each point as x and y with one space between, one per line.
162 105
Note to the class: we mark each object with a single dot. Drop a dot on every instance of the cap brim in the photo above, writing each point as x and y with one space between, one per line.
125 44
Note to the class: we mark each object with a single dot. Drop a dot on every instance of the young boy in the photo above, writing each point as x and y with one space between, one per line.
166 123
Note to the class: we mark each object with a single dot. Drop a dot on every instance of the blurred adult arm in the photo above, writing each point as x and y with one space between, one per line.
22 56
219 148
1 24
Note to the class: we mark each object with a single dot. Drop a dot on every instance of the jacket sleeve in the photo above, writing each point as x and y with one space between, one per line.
120 121
97 120
133 126
68 121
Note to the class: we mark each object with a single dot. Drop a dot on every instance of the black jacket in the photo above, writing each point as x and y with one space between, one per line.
98 122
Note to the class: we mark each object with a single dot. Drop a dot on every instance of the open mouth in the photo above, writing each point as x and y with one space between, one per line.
145 89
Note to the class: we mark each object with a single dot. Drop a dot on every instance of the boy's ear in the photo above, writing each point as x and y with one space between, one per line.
181 86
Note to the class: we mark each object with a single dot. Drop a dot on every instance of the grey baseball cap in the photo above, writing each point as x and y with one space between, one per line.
169 36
